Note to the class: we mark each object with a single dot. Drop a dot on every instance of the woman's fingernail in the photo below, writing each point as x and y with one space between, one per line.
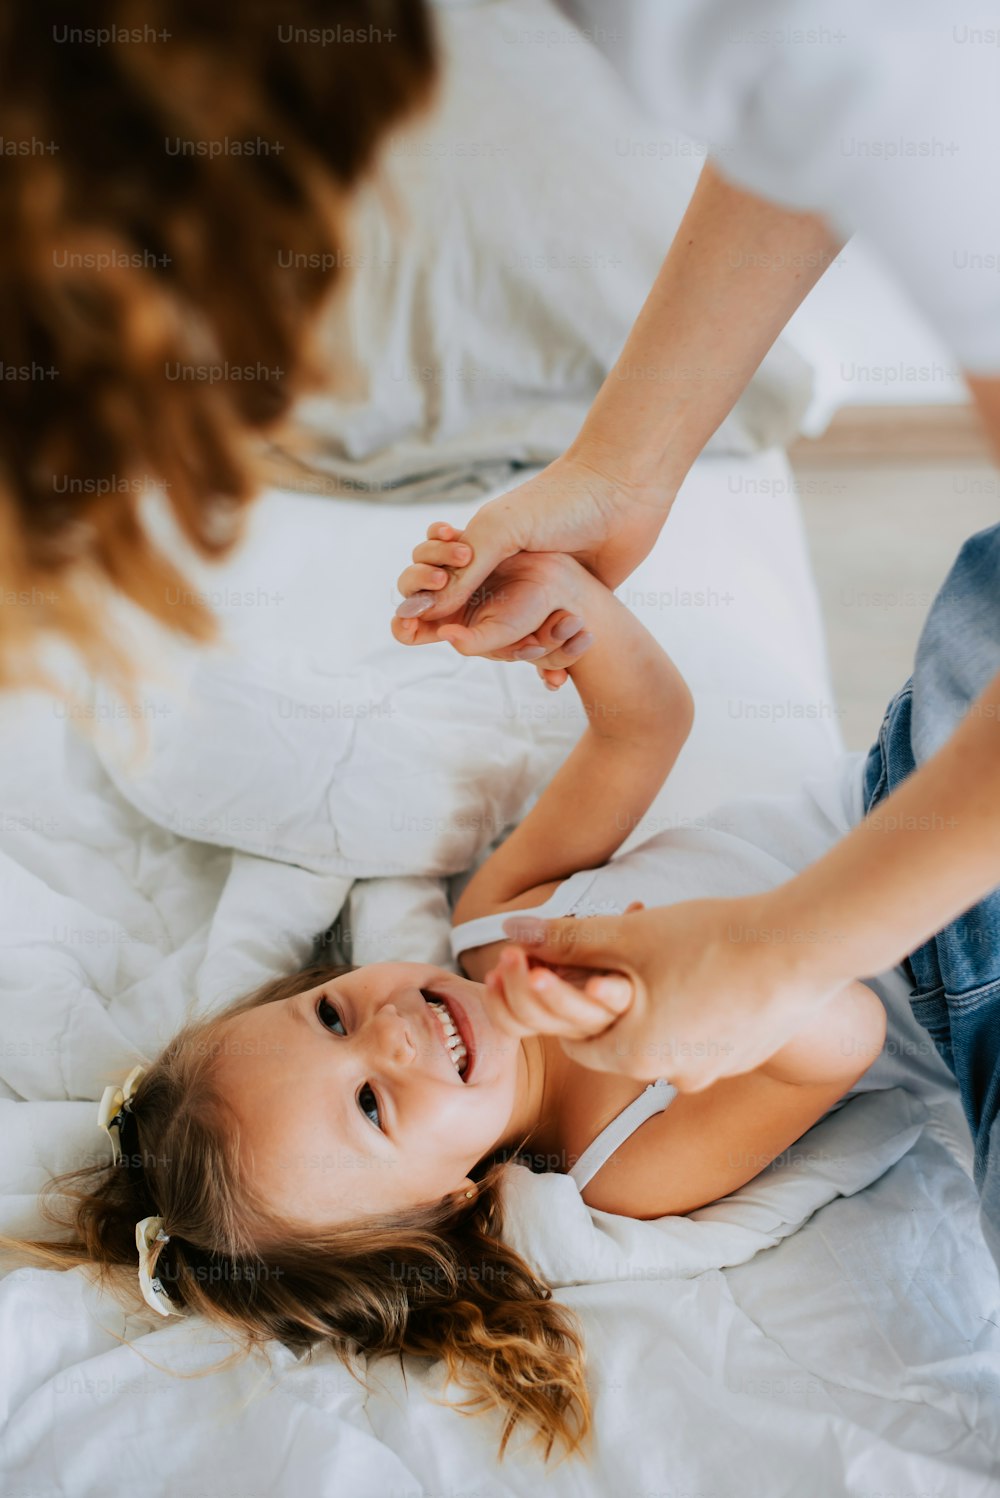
418 604
530 653
581 643
565 628
462 553
525 929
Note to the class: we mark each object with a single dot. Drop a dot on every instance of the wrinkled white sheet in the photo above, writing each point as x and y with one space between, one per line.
831 1328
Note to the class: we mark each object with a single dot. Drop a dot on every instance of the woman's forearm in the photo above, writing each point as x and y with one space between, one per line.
736 271
923 856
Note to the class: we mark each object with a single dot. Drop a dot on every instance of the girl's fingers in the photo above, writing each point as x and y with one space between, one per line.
553 679
546 1004
501 1011
440 530
420 579
614 991
610 992
443 553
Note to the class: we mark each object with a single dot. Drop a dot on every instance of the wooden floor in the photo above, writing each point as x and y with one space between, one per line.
884 526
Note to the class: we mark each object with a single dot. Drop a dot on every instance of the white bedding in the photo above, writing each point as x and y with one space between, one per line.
832 1328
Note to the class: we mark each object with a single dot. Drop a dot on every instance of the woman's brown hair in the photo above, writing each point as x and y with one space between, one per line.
434 1282
173 182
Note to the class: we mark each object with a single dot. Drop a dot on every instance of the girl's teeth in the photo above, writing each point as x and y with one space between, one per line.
456 1045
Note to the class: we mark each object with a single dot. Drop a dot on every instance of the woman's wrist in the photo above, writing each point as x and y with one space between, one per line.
794 948
630 474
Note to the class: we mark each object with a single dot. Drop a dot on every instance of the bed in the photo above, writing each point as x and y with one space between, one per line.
832 1328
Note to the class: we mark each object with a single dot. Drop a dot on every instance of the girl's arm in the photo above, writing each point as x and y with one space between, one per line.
707 1144
639 713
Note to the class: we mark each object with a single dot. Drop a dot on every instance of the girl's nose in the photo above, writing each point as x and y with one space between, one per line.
396 1034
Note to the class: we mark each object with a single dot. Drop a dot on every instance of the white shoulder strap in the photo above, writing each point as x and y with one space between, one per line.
487 928
657 1096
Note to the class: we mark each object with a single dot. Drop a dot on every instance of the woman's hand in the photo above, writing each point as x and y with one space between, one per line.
530 606
718 986
573 506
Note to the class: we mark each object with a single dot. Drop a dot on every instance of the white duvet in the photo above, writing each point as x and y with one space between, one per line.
832 1328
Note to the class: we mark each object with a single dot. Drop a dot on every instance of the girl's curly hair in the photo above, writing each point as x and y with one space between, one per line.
435 1281
174 178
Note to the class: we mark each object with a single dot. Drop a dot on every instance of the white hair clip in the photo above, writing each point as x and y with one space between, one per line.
147 1233
114 1101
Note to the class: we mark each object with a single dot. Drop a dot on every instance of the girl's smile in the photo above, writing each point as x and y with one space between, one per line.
349 1101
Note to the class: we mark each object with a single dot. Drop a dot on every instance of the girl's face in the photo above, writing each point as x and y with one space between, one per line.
348 1099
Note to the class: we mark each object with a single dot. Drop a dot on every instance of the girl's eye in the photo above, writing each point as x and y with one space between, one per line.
374 1105
329 1016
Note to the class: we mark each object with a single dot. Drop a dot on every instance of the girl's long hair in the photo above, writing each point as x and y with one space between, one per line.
175 180
435 1281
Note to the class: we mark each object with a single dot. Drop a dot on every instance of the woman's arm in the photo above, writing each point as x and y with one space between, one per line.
639 713
720 984
737 269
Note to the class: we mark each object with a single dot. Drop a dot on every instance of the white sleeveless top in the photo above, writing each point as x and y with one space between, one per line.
745 846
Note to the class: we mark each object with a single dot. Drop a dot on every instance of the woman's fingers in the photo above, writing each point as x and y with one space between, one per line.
593 941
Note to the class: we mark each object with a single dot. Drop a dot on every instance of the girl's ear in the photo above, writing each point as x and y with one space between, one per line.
635 905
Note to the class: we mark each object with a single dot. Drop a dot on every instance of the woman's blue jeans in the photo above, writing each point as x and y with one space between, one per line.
956 975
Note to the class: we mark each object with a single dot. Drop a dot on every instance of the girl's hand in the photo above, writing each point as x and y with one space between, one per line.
519 605
523 1000
576 506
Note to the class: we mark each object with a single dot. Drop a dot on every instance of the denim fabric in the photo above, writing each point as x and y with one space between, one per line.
955 975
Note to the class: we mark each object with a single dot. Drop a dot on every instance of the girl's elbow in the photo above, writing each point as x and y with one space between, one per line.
681 712
867 1032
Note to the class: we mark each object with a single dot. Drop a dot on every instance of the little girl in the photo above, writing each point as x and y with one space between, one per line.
323 1161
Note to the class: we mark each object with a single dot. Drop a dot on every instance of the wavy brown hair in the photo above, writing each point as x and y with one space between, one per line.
174 181
435 1281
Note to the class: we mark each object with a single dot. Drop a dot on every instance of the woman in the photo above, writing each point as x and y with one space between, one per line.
174 205
847 118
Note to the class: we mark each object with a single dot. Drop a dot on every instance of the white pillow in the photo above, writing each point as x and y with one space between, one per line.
500 264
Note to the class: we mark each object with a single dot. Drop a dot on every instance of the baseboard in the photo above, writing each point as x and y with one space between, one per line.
893 434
